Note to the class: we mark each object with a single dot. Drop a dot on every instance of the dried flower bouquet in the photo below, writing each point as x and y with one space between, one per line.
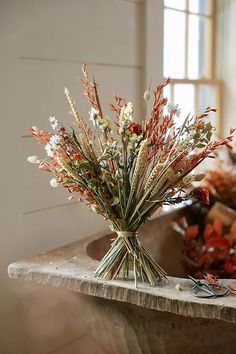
127 171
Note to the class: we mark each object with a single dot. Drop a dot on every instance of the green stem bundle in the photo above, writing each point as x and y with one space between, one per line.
126 259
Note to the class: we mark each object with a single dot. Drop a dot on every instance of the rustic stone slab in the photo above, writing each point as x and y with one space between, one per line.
71 267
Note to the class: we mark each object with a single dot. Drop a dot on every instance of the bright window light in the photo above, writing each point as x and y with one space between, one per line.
188 55
174 50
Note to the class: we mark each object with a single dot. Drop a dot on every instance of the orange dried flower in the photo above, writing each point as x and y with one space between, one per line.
233 230
192 231
222 185
211 279
77 156
199 125
218 227
231 288
208 231
42 136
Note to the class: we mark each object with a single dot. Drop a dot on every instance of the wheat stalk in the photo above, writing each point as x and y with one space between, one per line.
141 164
154 174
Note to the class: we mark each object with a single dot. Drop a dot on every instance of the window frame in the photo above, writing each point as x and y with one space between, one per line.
210 79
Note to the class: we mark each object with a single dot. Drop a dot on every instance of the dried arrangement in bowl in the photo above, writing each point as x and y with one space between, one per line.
127 171
220 180
209 246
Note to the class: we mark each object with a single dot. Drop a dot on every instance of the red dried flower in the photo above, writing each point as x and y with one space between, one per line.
229 267
218 242
135 128
201 194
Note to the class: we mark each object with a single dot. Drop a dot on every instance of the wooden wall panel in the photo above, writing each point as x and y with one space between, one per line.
43 45
103 31
42 90
50 228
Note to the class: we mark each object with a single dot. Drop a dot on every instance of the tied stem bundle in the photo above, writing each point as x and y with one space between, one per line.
127 258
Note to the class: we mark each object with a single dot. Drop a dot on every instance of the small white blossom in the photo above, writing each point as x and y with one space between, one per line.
146 95
52 145
174 108
54 183
93 113
70 197
211 249
129 110
54 123
49 150
33 159
54 141
126 116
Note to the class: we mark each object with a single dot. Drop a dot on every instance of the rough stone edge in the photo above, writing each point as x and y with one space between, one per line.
109 291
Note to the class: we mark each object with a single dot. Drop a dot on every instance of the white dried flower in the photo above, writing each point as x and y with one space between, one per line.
54 123
33 159
126 116
49 150
129 110
174 108
54 141
52 145
93 114
54 183
146 95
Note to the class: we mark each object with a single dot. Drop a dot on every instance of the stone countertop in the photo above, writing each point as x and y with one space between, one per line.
70 267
